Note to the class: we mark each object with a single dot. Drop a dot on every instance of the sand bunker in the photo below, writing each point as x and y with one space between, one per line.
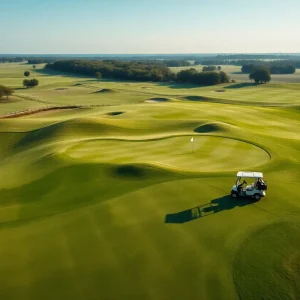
155 100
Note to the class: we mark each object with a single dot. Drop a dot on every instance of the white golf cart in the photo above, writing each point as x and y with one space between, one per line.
255 190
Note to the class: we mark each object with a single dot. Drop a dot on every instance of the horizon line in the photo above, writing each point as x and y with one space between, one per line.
179 53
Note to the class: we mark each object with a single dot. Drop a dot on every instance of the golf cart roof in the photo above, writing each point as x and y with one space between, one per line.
250 174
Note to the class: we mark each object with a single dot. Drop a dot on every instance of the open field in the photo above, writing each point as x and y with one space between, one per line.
110 200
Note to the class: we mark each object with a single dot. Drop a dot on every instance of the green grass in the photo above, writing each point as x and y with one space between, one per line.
109 201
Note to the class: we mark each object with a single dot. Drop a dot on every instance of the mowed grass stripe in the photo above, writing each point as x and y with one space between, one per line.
150 206
135 218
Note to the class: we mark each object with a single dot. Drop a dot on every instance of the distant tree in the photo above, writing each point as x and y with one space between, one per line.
249 68
34 66
5 91
261 75
282 69
208 78
219 68
34 82
185 76
26 82
30 83
209 68
224 77
26 73
98 75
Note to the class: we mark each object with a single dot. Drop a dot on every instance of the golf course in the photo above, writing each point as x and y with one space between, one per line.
121 189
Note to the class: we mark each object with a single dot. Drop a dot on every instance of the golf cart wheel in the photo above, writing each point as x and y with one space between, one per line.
257 197
234 194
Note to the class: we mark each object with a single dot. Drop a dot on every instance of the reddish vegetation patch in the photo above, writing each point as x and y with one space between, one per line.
35 111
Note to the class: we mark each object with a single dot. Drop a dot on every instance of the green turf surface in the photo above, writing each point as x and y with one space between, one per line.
110 201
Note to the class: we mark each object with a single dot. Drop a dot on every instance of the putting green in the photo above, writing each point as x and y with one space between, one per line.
210 153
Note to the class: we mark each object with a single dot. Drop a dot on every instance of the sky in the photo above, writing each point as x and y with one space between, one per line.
149 26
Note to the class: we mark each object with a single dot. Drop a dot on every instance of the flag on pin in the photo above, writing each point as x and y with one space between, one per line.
192 141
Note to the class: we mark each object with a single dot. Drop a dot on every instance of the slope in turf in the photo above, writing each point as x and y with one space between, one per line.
70 187
125 243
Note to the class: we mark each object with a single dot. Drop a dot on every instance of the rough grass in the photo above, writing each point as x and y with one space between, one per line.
96 204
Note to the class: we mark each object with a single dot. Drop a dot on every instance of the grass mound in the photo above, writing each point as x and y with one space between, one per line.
130 171
64 188
196 98
211 128
105 91
38 136
115 113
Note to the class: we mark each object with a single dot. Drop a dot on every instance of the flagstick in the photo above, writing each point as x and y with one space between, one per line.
193 141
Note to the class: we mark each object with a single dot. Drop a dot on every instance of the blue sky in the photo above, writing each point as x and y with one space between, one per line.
149 26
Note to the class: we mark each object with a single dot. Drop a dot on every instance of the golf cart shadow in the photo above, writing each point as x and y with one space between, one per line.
215 206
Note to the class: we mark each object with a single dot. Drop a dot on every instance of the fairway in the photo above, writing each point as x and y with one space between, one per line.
110 198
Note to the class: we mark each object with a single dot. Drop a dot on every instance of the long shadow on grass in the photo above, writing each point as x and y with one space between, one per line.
241 85
175 85
215 206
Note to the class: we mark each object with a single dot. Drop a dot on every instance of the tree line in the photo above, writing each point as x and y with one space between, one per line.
176 63
273 68
36 61
11 59
209 62
202 78
137 71
115 69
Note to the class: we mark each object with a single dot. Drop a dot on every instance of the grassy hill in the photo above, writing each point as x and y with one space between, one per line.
110 200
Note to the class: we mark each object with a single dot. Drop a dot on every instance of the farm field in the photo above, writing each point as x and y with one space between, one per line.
109 199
